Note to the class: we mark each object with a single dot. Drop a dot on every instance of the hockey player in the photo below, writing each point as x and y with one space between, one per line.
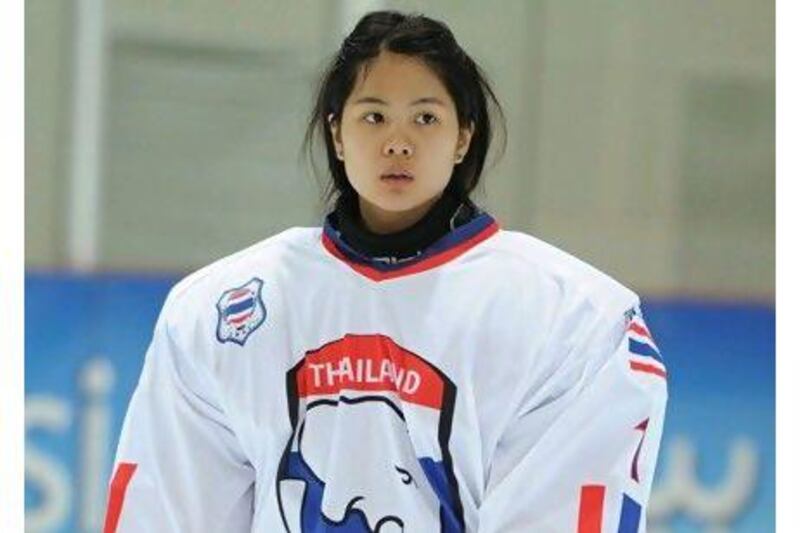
409 366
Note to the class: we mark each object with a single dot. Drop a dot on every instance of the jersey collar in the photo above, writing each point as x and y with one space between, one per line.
447 248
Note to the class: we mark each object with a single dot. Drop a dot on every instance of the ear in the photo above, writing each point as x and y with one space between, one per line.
336 135
464 139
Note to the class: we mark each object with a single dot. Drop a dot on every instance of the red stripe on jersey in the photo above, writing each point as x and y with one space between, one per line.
116 496
590 516
636 366
239 293
636 328
240 319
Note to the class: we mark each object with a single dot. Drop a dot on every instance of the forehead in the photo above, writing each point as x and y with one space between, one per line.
398 77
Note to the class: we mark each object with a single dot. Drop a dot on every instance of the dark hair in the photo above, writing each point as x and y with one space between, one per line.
434 43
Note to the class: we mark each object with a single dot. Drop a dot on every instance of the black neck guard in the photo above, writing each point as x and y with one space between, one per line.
445 215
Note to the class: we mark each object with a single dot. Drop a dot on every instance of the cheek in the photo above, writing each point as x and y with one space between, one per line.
360 147
355 133
440 150
444 139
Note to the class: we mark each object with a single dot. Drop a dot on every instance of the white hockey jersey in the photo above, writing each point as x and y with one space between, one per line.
492 384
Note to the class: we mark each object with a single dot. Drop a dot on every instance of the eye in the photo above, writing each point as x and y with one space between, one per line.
373 117
426 118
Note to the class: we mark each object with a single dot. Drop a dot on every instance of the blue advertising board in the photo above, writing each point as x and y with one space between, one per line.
85 338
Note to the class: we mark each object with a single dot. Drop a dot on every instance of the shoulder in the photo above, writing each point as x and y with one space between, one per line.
584 311
261 259
527 259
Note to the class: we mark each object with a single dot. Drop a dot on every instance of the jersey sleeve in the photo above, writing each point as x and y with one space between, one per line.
179 467
581 451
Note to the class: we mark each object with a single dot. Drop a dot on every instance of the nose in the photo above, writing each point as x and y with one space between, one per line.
398 146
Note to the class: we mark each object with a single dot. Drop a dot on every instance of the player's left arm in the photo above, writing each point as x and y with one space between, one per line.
581 451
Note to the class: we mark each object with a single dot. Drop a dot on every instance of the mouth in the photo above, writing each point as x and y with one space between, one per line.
397 176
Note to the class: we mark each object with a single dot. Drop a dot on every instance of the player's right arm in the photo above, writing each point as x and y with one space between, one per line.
580 453
179 467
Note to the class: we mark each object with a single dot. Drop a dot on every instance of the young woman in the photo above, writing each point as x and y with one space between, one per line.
407 367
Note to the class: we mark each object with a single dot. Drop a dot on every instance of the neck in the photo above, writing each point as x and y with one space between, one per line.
383 222
419 230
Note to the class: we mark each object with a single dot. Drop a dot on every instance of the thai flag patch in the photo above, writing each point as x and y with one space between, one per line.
240 312
645 355
591 514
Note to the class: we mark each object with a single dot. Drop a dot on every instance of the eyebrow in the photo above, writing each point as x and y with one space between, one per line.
375 100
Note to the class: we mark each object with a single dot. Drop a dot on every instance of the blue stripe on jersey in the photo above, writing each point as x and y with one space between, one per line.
239 307
641 348
434 471
629 518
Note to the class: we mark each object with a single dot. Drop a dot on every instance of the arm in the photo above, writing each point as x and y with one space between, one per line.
581 452
179 466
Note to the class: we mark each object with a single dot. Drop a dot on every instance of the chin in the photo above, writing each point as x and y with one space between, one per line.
397 203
